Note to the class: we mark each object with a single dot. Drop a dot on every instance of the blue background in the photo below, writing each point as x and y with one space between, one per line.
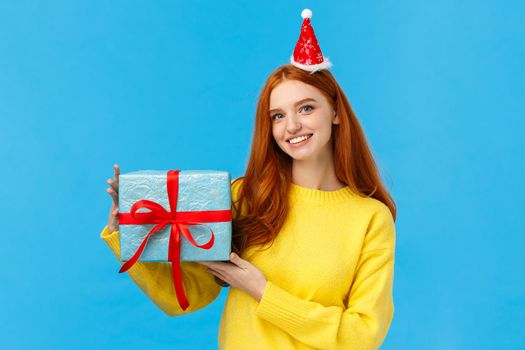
437 85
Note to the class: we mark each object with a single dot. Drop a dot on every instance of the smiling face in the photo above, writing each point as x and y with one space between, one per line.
302 119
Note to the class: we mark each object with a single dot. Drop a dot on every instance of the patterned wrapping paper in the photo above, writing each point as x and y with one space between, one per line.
198 190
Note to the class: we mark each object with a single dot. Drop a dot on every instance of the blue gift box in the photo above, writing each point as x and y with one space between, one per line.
198 190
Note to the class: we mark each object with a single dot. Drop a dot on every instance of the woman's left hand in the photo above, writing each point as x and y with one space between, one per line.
239 273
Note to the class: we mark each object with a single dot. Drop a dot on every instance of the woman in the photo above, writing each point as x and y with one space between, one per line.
313 229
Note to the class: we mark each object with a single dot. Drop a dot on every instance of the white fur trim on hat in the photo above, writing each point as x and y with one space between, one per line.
312 68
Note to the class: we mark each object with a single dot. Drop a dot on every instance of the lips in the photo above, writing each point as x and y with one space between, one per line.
294 137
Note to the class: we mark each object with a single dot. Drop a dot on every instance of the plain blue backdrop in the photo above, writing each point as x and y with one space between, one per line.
437 85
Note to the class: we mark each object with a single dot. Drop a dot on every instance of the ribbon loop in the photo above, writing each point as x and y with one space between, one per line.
186 233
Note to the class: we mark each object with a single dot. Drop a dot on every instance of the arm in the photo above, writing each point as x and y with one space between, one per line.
155 280
369 308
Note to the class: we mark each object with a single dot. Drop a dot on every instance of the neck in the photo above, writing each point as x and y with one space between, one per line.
317 174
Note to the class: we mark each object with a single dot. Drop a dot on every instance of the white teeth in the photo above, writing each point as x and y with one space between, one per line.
299 139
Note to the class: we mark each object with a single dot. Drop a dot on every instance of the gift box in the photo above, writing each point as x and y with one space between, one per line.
198 190
174 216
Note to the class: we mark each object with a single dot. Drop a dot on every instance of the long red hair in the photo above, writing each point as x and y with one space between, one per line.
265 185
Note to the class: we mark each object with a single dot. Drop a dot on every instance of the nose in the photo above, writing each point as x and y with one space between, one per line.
293 124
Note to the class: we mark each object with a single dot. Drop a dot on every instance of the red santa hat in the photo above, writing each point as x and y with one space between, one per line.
307 54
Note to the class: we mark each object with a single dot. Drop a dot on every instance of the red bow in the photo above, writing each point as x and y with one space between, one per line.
178 221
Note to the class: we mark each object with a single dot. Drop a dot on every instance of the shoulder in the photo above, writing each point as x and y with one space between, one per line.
238 181
236 187
370 207
380 229
381 210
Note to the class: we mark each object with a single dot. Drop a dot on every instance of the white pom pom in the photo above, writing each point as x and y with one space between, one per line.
306 13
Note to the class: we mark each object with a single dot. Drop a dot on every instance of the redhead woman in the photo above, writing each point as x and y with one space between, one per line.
313 240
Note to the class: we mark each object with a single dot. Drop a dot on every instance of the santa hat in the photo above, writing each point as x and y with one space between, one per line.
307 54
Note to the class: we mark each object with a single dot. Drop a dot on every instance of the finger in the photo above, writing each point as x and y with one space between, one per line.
112 193
218 266
113 184
235 259
116 172
221 282
114 197
218 274
209 265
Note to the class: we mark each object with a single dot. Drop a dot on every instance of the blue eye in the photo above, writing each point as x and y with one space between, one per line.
305 106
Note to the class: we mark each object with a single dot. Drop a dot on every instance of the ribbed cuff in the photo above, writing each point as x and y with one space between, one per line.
112 240
282 308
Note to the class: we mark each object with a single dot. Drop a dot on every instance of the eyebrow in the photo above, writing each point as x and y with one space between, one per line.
296 104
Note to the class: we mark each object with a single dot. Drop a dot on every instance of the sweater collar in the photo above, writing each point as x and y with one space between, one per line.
319 196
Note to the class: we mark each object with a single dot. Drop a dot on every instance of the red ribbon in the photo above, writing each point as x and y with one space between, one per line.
178 221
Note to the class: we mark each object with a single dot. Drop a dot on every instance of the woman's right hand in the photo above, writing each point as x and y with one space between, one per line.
113 192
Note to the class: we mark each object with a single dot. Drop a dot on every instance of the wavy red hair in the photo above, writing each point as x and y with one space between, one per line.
265 185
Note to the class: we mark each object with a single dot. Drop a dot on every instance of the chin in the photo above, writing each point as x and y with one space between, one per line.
299 156
310 154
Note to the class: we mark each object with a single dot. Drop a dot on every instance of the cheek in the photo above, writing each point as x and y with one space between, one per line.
276 133
325 133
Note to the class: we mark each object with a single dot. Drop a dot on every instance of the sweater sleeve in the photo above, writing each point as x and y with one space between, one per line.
364 321
156 281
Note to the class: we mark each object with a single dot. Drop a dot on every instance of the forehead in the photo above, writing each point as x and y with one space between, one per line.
290 91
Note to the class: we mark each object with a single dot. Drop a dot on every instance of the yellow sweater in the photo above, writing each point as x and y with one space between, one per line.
330 277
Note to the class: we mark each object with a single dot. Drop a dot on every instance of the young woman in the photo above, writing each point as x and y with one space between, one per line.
313 229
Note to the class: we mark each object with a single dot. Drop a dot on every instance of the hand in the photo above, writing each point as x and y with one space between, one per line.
113 192
240 274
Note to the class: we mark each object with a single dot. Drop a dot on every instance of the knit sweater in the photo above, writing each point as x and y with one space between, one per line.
329 278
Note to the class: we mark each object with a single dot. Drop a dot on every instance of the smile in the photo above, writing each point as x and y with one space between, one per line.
299 139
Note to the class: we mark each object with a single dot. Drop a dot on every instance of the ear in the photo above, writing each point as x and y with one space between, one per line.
336 118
